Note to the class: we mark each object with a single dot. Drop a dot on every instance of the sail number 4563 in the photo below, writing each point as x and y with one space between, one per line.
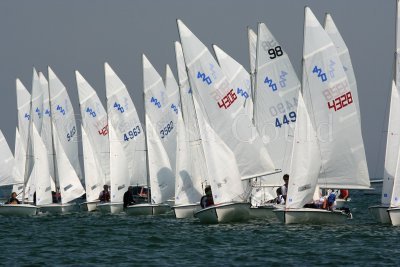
341 101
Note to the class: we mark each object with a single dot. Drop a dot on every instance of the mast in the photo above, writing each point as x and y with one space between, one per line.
26 176
145 142
56 179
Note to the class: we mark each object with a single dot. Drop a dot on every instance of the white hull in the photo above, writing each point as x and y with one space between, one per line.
394 214
89 206
224 213
311 216
109 207
148 209
17 210
185 211
58 208
263 212
340 203
380 213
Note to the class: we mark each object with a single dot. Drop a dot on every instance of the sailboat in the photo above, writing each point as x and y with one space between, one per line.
8 176
191 168
228 159
276 88
387 211
344 56
342 156
127 143
95 142
161 114
64 134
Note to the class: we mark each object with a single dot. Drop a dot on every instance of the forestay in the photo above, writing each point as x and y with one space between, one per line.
128 129
275 101
94 120
161 117
220 109
306 161
93 176
333 111
191 170
63 118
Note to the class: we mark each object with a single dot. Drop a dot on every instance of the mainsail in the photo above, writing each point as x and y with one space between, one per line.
332 110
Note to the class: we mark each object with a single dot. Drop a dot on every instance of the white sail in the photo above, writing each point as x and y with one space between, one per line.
191 169
220 158
7 163
252 37
306 161
275 101
240 79
119 171
37 102
122 114
93 176
397 73
161 134
46 132
344 57
94 120
24 109
70 184
19 165
392 146
63 118
41 168
334 113
220 109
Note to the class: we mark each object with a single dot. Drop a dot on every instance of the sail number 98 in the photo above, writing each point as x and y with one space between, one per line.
275 52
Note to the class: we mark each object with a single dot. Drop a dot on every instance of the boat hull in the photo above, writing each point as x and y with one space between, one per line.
185 211
311 216
263 212
340 203
224 213
58 208
18 210
112 208
147 209
89 206
380 213
394 214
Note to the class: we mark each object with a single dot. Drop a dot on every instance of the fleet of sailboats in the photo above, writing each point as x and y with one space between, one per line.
219 129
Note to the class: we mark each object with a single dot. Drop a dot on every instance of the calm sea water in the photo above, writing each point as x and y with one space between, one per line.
97 240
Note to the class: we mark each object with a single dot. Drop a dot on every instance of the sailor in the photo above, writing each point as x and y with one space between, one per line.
13 199
207 200
105 194
128 197
284 187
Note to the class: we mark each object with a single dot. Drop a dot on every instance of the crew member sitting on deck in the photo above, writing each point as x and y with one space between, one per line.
105 194
344 194
128 197
13 199
207 200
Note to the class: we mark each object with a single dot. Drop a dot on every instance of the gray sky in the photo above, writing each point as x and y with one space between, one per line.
82 34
